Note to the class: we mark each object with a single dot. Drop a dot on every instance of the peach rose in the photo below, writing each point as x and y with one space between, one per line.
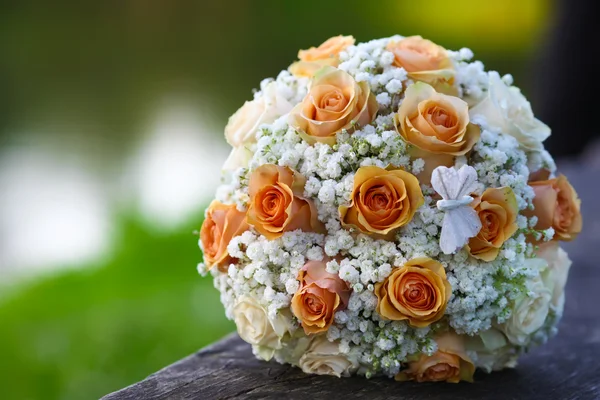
335 101
541 174
327 54
449 363
277 203
221 224
497 210
418 292
382 201
435 123
328 49
558 206
321 294
423 60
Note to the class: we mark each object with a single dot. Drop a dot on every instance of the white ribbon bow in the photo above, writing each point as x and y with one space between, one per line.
461 222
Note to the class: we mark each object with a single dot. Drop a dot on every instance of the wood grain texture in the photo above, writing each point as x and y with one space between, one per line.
567 367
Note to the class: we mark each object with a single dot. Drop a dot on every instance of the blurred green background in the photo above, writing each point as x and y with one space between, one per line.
111 120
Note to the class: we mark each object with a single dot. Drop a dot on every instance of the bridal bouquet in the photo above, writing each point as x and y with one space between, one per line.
388 208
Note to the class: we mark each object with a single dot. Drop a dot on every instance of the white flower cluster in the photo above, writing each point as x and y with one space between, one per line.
270 268
485 295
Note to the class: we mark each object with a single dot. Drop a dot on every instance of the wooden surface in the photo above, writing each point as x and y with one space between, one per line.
567 367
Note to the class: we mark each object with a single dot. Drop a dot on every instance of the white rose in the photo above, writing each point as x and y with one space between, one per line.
324 358
238 158
506 109
559 265
294 349
529 312
255 327
243 126
493 352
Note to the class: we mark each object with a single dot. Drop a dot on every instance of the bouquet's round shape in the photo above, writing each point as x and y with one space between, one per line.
388 208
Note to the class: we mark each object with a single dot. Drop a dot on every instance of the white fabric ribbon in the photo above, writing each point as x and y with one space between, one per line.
446 205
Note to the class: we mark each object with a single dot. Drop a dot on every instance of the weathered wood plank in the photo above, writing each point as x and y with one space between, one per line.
568 367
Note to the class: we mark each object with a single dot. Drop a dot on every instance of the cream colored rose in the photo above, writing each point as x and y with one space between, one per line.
494 353
245 122
449 363
293 349
559 265
315 58
423 60
243 126
382 201
255 327
239 157
324 358
435 123
529 311
335 101
506 109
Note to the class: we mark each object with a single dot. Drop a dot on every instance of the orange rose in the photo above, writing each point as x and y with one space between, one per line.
382 201
315 58
335 101
328 49
435 123
222 223
418 292
321 294
558 206
277 203
449 363
423 60
497 210
539 175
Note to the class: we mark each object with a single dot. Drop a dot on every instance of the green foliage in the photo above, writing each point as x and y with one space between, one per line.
83 333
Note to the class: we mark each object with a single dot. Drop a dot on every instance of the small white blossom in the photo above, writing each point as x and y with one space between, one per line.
394 86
